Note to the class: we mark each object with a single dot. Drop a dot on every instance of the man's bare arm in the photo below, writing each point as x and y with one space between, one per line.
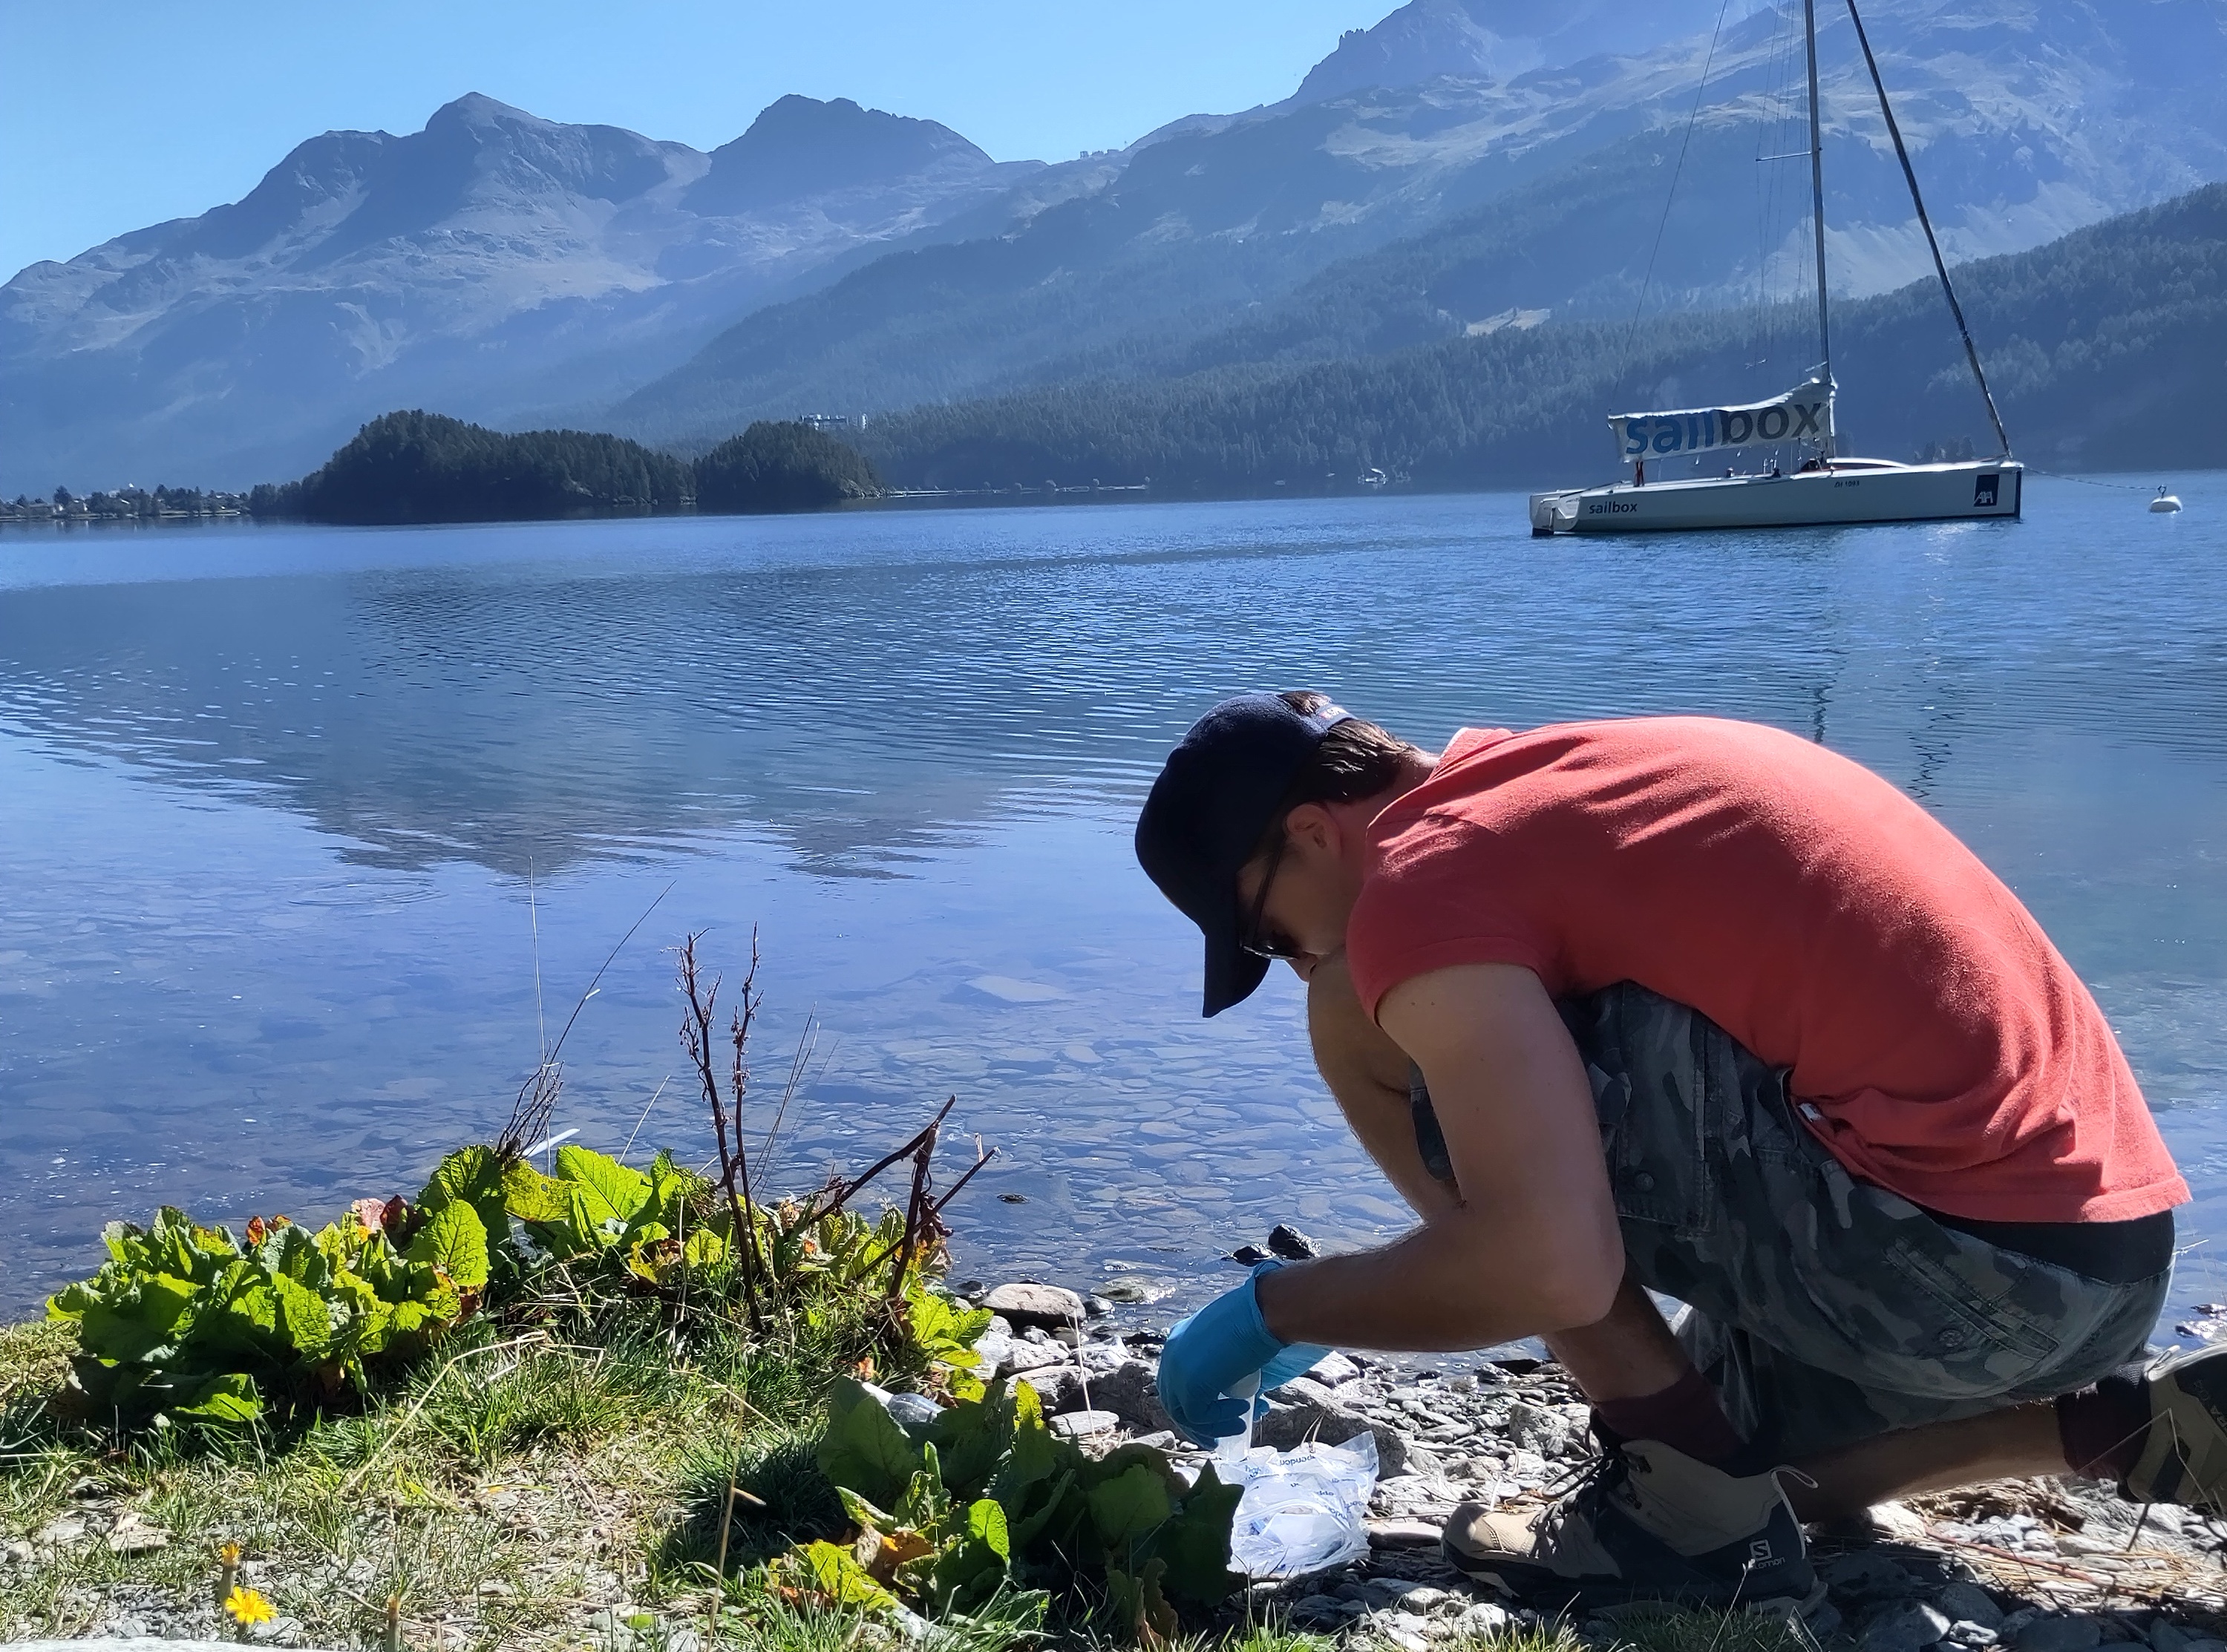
1368 1077
1530 1247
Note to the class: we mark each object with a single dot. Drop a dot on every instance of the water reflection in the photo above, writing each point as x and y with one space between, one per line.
270 799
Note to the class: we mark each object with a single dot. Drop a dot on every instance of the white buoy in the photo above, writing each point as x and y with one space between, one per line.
2165 503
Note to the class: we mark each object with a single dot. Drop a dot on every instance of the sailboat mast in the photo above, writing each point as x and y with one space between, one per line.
1818 197
1932 241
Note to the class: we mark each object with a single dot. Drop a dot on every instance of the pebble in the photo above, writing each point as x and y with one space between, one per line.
1898 1522
1025 1302
135 1534
1031 1356
2059 1632
1482 1619
1290 1244
1867 1576
1084 1424
1967 1602
1908 1626
1403 1534
1332 1370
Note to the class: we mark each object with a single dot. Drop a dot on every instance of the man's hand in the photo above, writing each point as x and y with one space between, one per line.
1220 1349
1532 1247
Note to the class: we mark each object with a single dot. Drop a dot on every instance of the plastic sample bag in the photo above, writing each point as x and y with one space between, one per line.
1302 1510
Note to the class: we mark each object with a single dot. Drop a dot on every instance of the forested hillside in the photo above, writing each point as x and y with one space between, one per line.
420 467
2105 348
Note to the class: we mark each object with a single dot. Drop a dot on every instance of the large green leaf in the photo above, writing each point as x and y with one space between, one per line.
1033 1455
143 1322
532 1196
862 1513
455 1240
472 1175
1139 1608
607 1191
1049 1509
986 1524
865 1449
973 1439
229 1399
303 1318
235 1317
971 1569
1195 1542
1130 1506
838 1575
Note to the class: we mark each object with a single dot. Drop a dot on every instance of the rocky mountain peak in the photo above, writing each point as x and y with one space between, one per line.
800 146
1496 39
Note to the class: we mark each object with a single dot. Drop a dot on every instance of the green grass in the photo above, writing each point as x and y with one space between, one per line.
512 1489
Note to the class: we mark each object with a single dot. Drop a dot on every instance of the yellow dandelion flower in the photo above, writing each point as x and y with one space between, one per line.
247 1606
228 1555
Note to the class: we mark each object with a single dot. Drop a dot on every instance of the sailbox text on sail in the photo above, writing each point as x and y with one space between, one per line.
1801 414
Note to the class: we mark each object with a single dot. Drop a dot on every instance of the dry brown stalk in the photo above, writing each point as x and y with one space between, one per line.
697 1036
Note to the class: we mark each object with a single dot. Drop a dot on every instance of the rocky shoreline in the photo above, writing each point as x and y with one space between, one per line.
2041 1566
2027 1565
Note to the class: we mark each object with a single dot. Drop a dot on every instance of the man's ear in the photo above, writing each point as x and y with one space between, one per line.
1313 827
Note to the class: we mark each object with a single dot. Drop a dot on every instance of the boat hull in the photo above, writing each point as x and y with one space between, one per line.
1873 492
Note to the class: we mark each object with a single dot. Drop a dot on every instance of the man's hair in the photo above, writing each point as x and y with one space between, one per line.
1354 760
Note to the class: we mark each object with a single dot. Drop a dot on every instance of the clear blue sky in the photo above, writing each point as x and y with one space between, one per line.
118 113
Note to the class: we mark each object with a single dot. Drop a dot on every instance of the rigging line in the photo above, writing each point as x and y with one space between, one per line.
1940 265
1664 223
2090 482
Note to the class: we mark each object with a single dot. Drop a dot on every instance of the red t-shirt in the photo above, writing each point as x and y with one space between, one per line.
1806 906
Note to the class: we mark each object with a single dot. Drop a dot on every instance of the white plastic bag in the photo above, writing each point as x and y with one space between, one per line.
1303 1510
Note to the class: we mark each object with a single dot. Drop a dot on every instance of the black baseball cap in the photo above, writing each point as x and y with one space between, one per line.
1215 797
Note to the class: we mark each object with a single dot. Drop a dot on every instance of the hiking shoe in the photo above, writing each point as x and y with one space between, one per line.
1646 1523
2184 1456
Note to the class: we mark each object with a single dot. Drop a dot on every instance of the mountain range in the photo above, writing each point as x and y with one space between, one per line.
1461 167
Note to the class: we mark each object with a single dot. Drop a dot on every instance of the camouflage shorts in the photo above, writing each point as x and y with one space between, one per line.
1822 1308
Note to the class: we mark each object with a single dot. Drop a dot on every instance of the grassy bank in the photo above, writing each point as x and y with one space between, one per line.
613 1407
558 1490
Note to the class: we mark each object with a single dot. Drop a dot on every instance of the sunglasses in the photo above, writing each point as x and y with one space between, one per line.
1251 938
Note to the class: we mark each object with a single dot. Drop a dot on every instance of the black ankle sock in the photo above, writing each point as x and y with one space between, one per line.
1686 1417
2102 1430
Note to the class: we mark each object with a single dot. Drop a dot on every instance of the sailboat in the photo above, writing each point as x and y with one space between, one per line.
1827 487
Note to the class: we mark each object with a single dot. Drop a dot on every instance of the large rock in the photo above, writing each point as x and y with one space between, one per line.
1290 1244
1907 1626
1315 1413
2059 1632
1059 1387
1024 1304
1967 1602
1131 1392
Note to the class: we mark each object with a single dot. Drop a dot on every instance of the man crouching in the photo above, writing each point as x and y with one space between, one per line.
1694 1006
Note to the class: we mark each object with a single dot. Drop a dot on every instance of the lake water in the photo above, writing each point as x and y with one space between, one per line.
272 801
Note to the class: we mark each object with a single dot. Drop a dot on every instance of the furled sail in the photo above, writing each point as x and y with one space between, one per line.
1803 414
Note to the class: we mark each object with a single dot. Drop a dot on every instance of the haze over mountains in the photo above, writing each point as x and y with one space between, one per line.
1449 171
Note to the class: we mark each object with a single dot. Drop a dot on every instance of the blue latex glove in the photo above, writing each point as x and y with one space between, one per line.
1216 1351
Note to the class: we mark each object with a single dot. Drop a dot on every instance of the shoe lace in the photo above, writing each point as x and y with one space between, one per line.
1581 1491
